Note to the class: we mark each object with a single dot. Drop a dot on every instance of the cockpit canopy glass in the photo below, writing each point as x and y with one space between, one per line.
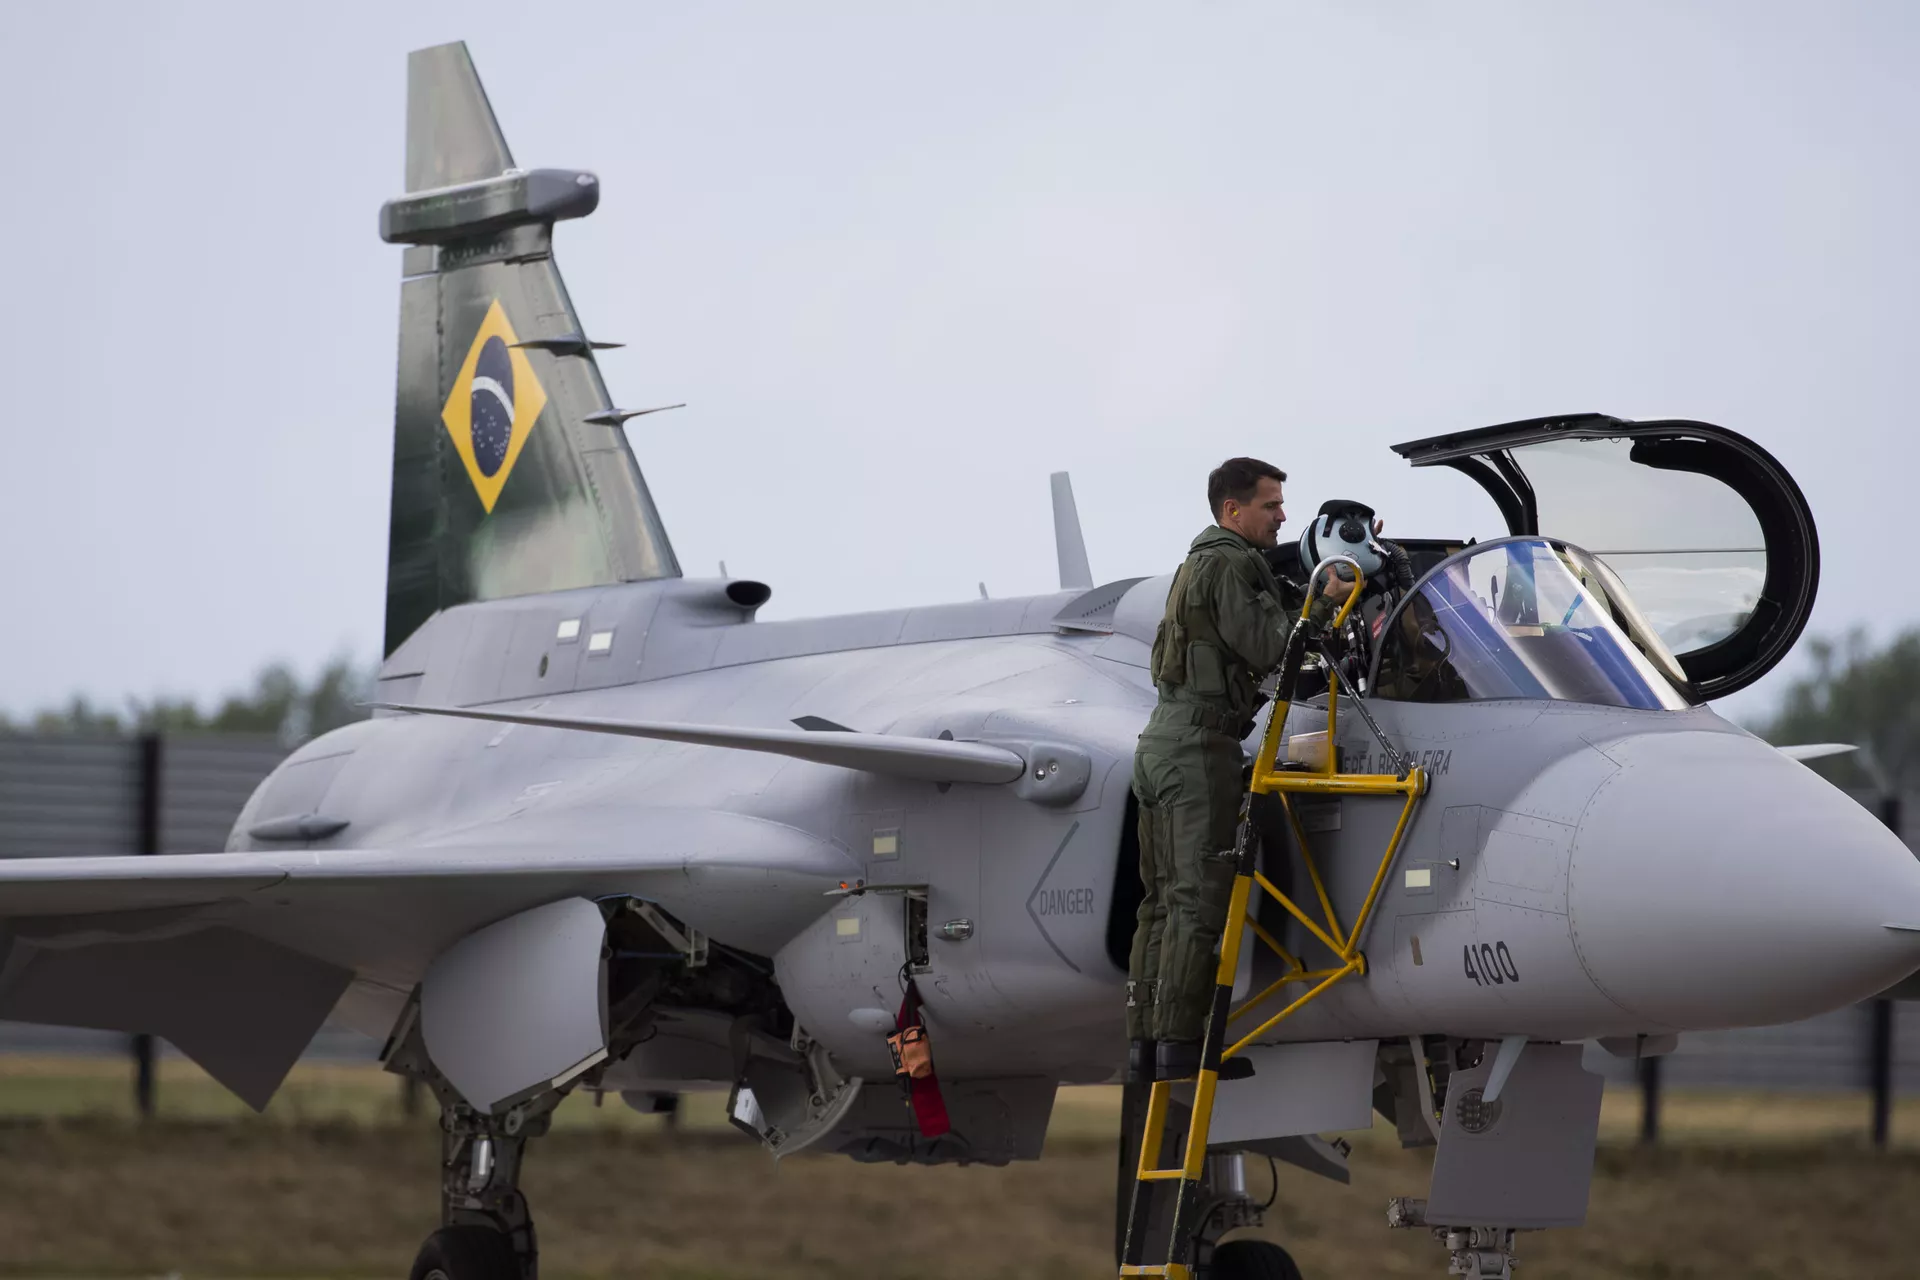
1525 618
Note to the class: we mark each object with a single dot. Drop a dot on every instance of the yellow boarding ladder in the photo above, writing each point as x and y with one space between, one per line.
1270 777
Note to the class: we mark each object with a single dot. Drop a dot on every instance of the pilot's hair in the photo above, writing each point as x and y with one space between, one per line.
1237 478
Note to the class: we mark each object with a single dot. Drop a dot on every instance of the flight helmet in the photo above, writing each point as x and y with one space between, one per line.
1342 528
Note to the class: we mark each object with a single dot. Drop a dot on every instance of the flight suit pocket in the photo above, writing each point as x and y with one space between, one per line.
1206 673
1168 660
1215 890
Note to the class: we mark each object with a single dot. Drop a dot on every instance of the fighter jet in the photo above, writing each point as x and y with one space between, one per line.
611 833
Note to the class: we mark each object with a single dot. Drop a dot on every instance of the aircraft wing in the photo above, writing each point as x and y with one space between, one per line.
237 958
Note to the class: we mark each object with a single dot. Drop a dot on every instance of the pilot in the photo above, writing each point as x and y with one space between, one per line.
1224 629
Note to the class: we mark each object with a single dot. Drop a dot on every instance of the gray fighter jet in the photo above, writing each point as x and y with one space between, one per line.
610 833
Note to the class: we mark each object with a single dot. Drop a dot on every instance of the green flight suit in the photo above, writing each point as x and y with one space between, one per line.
1223 631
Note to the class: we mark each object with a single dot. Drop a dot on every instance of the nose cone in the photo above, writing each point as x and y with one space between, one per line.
1716 883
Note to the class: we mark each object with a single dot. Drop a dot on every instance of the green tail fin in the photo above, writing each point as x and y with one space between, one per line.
511 473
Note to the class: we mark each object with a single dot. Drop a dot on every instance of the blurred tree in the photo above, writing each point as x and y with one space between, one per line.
1859 694
278 704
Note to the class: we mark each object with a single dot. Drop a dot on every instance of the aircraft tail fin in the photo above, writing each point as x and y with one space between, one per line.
452 135
511 472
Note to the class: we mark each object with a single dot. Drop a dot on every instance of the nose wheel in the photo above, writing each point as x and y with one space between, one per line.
1253 1260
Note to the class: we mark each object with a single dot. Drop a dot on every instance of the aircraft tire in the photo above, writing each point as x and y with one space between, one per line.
465 1253
1253 1260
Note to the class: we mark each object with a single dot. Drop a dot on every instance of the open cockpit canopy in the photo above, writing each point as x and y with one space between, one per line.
1708 538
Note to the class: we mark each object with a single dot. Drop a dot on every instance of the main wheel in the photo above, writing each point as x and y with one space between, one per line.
1252 1260
466 1253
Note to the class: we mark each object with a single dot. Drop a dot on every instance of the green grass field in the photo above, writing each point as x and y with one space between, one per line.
335 1181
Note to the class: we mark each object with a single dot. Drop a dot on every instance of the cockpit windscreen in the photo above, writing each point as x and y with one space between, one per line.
1525 618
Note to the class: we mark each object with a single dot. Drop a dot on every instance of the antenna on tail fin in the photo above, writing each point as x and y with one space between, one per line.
503 483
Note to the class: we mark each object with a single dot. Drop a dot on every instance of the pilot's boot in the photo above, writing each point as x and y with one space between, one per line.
1180 1060
1139 1062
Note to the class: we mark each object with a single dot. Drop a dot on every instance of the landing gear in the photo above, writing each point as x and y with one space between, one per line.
486 1229
1481 1253
465 1253
1253 1260
1223 1206
480 1158
1475 1253
520 1065
1230 1208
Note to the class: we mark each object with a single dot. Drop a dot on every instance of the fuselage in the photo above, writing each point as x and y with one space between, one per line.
1574 871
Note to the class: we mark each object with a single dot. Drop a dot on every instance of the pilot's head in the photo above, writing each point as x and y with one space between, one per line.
1245 496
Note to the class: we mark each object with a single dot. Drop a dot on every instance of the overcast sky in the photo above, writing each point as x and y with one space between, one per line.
904 260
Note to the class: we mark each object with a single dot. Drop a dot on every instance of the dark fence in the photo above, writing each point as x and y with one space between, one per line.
64 796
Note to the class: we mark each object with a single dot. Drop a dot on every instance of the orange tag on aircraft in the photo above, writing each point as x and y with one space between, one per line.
912 1054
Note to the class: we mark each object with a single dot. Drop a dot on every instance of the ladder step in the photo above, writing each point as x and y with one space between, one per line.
1165 1270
